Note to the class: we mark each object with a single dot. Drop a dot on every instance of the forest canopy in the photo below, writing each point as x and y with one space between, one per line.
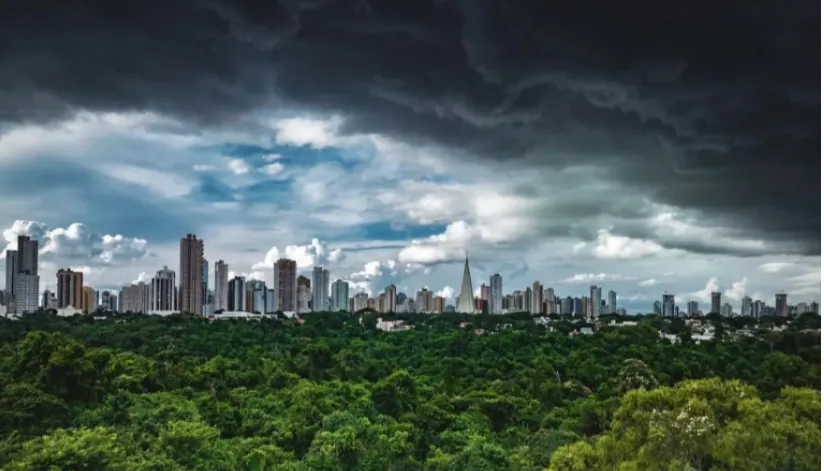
453 392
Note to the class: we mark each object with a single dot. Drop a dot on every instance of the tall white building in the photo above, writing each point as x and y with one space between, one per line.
496 294
595 301
340 296
164 291
320 289
26 293
221 286
391 298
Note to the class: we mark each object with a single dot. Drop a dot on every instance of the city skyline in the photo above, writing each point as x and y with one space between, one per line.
163 294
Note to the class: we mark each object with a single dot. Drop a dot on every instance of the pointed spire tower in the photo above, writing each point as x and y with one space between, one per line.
466 299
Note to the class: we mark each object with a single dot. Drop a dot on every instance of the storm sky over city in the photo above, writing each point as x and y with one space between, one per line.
649 147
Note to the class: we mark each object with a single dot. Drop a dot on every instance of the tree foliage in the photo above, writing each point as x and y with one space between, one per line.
334 393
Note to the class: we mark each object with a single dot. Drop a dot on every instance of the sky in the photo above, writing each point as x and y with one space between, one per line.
649 149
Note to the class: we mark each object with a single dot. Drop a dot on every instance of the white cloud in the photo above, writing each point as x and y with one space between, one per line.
447 292
203 167
318 133
142 277
238 166
648 282
775 267
272 169
737 291
316 253
270 157
621 247
704 295
594 277
76 242
167 184
254 275
449 246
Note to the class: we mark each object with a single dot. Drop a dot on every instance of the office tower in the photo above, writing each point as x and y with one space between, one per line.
595 301
89 299
285 285
221 286
781 308
27 255
715 304
204 286
692 308
391 293
668 305
237 294
340 295
496 294
612 304
69 288
256 296
656 308
466 304
164 291
536 302
423 301
191 272
746 306
550 302
26 293
320 289
11 270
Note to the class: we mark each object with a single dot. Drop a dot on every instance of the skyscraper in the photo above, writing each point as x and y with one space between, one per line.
11 270
237 294
536 303
496 294
204 286
320 289
26 293
466 299
612 302
285 285
164 291
221 286
746 306
715 304
69 288
781 308
668 304
340 295
191 272
595 301
27 255
391 294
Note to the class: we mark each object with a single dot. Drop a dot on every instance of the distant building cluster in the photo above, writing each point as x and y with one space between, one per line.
293 293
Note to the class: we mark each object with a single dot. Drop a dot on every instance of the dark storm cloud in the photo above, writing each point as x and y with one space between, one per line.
708 106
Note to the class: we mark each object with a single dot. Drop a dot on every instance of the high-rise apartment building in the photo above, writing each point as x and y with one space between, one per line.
164 291
612 302
360 301
595 301
221 286
781 307
320 289
496 294
69 288
715 302
536 303
692 308
668 305
26 293
27 255
90 299
237 294
285 285
191 271
204 287
391 293
136 298
11 270
340 295
746 306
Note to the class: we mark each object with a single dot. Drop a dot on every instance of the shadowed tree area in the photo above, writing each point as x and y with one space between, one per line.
180 393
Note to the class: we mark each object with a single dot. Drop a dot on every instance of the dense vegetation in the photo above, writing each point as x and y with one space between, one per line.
180 393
